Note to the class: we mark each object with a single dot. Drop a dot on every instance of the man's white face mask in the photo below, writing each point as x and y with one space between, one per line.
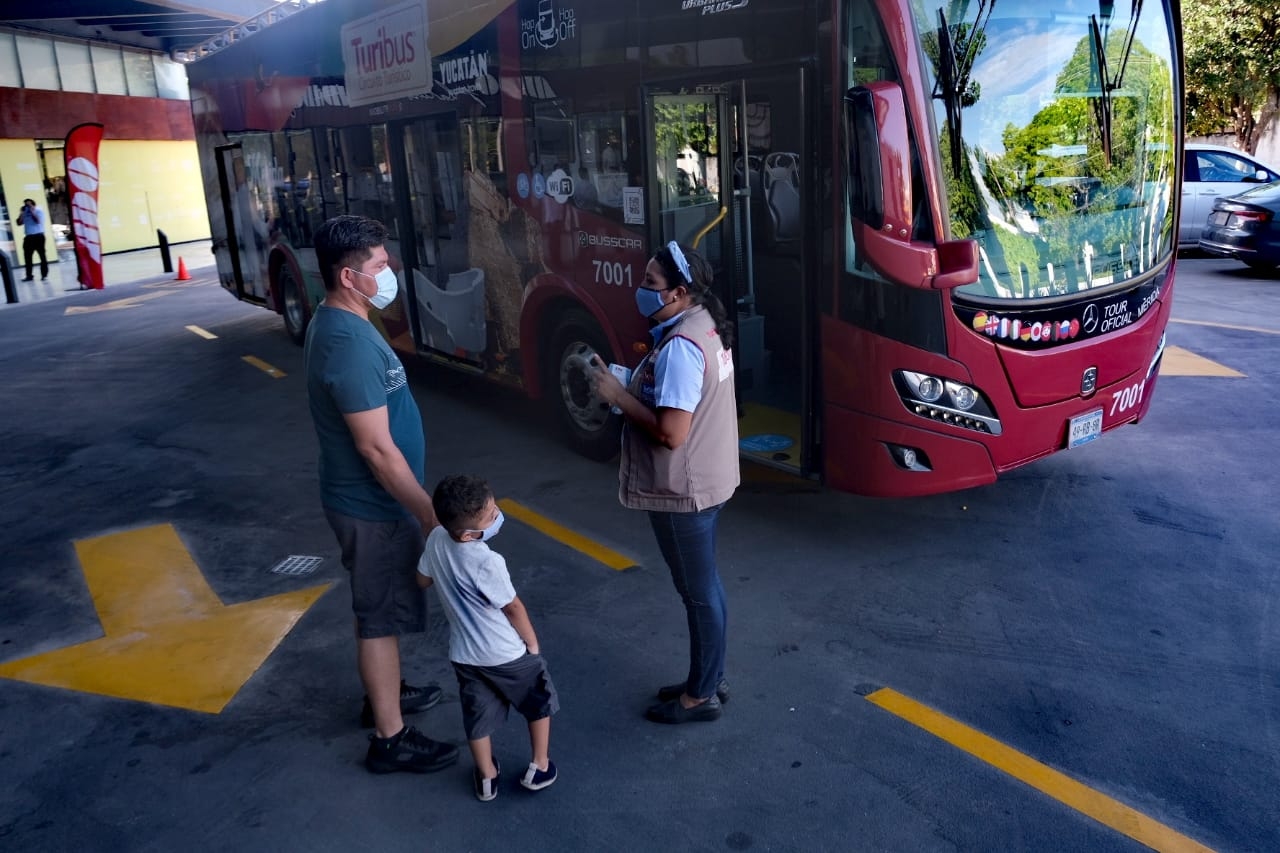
388 287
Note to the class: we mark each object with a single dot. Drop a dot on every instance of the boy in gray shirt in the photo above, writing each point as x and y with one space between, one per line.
492 644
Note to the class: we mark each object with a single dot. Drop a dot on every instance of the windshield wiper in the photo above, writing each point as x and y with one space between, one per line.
956 57
1103 105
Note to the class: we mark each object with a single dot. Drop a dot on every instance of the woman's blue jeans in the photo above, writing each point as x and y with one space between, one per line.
688 544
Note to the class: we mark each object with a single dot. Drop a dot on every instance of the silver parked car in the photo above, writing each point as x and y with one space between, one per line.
1213 172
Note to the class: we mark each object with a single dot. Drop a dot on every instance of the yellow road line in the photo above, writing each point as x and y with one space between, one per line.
273 372
1063 788
208 336
564 535
1227 326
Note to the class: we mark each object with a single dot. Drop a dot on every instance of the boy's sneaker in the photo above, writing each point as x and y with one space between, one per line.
412 700
535 779
487 789
410 751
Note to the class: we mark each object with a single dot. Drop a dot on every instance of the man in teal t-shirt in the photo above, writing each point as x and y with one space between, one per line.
372 470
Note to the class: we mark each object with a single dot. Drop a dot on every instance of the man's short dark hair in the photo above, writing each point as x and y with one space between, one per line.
458 499
30 201
346 241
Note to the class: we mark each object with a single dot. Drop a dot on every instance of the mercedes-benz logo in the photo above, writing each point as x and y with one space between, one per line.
1089 381
1089 321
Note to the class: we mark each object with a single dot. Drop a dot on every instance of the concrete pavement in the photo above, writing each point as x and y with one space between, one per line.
118 269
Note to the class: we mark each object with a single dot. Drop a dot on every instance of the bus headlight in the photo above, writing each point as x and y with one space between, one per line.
961 395
929 389
945 401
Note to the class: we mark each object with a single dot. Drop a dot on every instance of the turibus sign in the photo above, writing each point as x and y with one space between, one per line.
386 54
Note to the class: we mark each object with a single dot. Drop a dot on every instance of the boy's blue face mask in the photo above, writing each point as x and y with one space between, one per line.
492 530
649 302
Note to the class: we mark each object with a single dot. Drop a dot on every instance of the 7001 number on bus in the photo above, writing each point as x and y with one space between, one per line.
612 272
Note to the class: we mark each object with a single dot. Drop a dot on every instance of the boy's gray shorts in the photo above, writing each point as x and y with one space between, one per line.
489 692
382 557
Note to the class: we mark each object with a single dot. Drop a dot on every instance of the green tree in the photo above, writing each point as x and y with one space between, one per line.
1232 51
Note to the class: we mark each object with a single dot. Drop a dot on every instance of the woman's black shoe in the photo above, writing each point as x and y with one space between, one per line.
673 712
673 691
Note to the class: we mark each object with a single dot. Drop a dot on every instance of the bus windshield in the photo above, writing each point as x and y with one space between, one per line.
1058 148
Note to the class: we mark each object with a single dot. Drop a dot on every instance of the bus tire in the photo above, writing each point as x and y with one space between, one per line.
293 304
585 420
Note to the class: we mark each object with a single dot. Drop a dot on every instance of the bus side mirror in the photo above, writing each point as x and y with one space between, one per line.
880 195
879 158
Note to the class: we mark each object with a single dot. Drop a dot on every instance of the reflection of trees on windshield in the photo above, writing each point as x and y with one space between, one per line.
1106 84
1078 197
953 51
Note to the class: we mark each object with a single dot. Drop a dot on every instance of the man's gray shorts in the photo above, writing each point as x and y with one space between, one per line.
382 557
488 693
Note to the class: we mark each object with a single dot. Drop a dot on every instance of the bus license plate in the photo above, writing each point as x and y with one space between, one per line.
1083 429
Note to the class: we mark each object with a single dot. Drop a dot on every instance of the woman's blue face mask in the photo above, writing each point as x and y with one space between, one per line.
649 302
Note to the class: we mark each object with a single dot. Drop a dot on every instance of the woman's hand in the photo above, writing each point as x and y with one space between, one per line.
605 385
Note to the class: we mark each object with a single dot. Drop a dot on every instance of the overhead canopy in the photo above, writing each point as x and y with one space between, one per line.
164 25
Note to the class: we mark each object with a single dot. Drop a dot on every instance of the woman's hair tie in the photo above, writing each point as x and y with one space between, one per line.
681 262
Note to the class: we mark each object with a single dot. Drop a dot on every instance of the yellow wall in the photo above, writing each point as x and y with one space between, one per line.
20 177
149 185
54 162
145 185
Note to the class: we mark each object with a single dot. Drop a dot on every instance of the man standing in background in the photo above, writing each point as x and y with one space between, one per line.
32 220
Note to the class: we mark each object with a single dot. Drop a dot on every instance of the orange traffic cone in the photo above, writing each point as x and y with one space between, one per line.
183 275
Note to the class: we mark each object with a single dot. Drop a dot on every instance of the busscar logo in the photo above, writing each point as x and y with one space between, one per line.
608 241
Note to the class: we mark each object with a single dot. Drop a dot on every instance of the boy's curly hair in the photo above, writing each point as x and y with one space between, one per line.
458 499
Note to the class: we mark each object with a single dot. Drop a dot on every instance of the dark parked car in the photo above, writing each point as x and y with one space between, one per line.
1245 227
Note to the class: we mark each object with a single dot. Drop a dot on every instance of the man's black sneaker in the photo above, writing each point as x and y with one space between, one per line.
412 700
535 779
673 691
487 789
410 751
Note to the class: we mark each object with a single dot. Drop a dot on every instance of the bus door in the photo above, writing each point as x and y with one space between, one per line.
727 175
447 294
234 190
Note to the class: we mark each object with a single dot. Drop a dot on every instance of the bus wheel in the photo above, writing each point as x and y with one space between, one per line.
296 314
585 419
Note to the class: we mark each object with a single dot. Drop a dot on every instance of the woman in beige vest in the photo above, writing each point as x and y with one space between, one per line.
680 458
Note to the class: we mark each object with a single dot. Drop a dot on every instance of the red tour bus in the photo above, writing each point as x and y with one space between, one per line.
947 226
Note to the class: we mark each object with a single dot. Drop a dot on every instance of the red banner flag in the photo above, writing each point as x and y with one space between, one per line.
81 157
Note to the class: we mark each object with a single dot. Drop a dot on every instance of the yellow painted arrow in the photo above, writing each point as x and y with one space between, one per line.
167 638
117 304
1180 362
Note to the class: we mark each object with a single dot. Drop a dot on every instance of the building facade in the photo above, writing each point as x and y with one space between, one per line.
149 172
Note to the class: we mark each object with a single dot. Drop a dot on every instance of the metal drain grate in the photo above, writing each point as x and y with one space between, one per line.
296 564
